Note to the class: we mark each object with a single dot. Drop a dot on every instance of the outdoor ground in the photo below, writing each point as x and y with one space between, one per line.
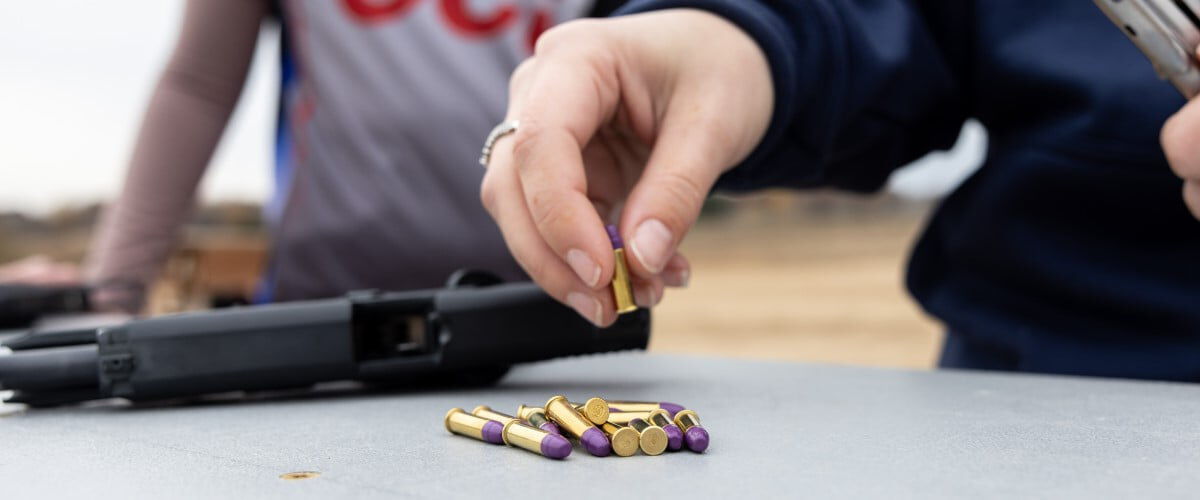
801 286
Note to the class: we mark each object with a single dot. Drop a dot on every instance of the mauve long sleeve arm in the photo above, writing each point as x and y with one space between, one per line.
185 119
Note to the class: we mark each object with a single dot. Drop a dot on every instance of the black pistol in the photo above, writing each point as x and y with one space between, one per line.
472 330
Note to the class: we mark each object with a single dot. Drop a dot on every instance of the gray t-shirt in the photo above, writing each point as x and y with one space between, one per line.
384 115
383 110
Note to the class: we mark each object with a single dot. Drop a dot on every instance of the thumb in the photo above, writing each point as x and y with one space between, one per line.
665 202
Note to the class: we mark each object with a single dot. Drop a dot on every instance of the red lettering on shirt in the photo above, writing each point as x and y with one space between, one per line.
373 11
473 24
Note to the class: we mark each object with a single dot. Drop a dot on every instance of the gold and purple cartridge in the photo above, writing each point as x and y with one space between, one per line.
523 411
651 438
693 434
485 411
462 423
624 439
623 417
622 287
519 435
578 426
671 408
539 420
536 416
595 409
661 418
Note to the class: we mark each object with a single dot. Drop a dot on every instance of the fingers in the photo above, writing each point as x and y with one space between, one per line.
554 188
1191 196
678 272
501 196
667 199
548 155
1181 141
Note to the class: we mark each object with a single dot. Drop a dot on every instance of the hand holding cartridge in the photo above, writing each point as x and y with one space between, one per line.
692 98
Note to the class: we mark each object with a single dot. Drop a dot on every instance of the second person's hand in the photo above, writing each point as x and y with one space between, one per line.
627 120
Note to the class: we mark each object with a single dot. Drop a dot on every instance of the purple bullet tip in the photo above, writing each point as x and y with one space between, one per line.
556 447
493 432
552 428
674 437
595 442
671 408
615 237
697 439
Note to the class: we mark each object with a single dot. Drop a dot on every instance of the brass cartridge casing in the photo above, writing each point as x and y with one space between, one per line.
623 417
621 284
462 423
595 409
484 411
625 440
651 438
624 406
537 419
523 411
687 419
523 436
660 417
566 416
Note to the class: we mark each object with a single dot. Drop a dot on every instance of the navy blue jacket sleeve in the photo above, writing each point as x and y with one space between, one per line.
862 87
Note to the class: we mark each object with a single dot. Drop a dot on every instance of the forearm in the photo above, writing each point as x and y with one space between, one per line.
184 121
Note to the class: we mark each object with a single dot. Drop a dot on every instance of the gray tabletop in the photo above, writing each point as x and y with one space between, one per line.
778 429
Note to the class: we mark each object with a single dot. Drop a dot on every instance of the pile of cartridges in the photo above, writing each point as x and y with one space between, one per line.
601 427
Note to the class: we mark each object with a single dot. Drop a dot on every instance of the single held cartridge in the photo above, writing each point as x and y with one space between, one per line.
470 332
622 285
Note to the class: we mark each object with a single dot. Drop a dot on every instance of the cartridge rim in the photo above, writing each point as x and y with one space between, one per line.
446 420
556 398
523 411
481 408
504 431
679 417
625 442
596 410
653 440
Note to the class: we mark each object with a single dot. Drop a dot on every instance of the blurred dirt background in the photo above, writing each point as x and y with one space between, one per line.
815 277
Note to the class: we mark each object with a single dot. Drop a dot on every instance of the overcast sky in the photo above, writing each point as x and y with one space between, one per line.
74 79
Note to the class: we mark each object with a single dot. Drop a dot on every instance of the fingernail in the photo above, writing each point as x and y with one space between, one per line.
644 296
585 305
584 267
678 278
652 245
